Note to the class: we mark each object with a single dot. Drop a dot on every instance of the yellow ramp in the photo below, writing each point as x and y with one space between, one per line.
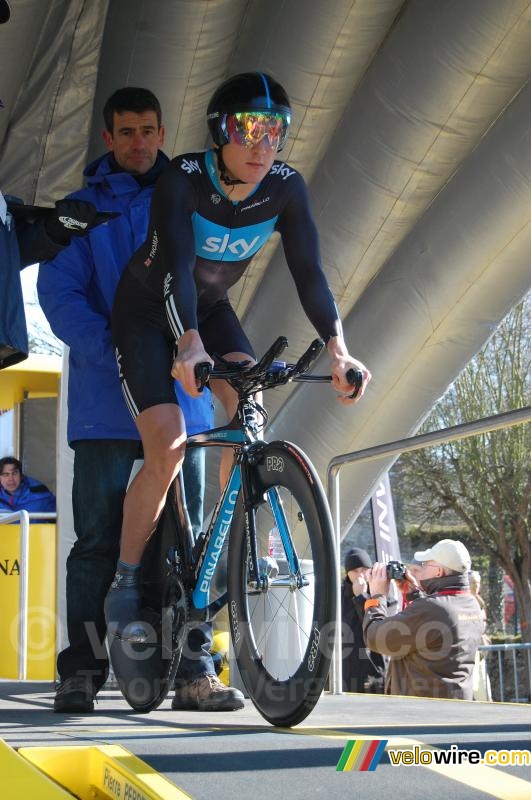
106 772
21 779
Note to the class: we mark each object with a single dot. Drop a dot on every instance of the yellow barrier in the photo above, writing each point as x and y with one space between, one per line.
106 771
41 601
22 779
220 644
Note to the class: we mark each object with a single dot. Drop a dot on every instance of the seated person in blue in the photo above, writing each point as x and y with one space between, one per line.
19 492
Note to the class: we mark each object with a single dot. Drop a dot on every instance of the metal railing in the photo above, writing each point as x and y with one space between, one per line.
23 517
396 448
513 650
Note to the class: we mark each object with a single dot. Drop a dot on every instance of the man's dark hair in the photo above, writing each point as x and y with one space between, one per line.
130 98
10 460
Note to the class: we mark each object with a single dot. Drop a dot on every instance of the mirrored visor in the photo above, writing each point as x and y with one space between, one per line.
248 128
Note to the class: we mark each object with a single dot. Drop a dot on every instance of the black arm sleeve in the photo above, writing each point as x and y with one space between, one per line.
171 244
301 247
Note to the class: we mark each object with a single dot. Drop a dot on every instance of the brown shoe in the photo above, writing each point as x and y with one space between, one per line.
206 693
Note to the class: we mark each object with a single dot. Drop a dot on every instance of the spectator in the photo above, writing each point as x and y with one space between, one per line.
433 642
481 680
474 580
76 291
362 670
19 492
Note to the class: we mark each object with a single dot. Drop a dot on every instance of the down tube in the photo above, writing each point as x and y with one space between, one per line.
201 593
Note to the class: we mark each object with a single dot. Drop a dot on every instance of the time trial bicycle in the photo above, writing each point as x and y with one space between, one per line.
268 553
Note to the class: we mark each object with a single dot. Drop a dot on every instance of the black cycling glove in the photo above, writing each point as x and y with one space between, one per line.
74 218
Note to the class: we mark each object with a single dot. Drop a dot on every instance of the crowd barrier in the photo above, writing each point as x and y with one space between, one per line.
28 624
394 450
504 672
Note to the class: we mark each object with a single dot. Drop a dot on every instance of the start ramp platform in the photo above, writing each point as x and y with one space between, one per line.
116 752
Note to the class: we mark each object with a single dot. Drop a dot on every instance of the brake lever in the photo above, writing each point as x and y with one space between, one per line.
355 378
202 372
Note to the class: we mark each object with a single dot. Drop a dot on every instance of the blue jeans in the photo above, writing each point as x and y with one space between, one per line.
101 473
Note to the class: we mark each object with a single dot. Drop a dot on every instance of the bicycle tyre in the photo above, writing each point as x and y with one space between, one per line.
146 672
284 687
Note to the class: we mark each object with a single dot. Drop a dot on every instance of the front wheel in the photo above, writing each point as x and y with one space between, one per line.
282 630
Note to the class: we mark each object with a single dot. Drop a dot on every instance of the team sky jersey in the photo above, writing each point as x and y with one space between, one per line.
200 242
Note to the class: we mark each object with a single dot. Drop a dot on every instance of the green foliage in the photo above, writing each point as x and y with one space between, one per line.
481 484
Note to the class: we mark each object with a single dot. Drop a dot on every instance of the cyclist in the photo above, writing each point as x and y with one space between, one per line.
211 212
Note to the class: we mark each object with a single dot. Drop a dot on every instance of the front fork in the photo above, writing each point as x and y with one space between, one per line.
248 458
251 497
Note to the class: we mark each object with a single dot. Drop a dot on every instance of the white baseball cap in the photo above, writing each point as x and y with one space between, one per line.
448 553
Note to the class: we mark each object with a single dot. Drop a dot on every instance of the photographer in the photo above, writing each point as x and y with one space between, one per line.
363 671
432 643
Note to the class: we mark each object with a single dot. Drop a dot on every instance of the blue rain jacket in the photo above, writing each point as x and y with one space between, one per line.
31 495
76 291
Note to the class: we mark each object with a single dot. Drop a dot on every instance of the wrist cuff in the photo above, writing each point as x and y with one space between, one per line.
371 603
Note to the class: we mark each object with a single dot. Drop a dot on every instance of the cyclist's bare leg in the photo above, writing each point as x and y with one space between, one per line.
163 434
229 399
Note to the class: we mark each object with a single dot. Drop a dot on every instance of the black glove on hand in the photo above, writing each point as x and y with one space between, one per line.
74 218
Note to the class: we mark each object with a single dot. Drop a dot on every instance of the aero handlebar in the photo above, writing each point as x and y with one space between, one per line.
269 372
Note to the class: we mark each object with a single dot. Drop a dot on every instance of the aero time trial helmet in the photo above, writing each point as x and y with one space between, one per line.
248 107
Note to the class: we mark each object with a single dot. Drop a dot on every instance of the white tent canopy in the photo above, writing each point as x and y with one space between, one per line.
412 125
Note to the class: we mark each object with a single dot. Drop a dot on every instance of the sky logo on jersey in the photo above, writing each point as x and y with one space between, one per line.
283 170
239 248
190 166
218 243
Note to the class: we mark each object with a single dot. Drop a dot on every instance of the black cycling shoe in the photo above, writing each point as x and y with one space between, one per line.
122 609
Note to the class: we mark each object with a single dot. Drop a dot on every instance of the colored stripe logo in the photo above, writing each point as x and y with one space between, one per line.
361 755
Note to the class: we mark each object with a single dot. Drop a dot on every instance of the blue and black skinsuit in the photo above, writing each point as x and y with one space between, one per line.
199 245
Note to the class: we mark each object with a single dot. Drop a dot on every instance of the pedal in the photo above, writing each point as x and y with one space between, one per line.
173 558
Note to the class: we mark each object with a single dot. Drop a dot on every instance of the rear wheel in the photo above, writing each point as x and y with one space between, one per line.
282 633
146 672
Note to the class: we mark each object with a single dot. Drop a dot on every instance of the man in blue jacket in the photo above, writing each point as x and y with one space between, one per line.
19 492
76 291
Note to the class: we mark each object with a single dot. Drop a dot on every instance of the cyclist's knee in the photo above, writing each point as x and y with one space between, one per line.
161 428
166 462
227 397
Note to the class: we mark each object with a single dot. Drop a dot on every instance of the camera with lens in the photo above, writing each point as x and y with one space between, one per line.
396 569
